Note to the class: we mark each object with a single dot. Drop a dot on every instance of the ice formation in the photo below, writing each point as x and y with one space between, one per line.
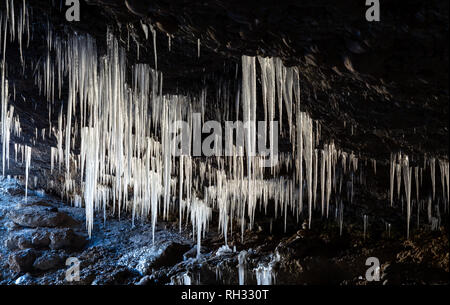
27 168
242 266
123 128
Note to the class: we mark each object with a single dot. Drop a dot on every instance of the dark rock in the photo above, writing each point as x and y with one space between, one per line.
193 252
11 226
35 203
119 276
146 280
66 239
24 243
40 239
140 259
93 254
19 240
25 239
49 260
167 25
144 259
137 7
171 255
25 279
16 191
22 261
12 242
40 216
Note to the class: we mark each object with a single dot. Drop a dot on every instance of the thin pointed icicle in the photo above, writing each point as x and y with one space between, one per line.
145 29
180 192
90 139
287 95
447 175
407 183
200 216
152 29
433 175
27 168
392 173
316 156
329 149
300 159
416 176
322 181
241 266
169 42
366 222
307 134
249 114
398 170
4 116
442 170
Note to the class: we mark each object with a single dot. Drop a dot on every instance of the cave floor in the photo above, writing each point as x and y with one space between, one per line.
40 236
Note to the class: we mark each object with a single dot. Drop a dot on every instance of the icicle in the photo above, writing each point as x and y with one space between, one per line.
328 186
442 167
398 170
52 158
263 275
249 112
366 221
407 183
152 29
89 138
447 175
433 175
322 181
341 218
27 168
392 172
4 118
145 29
307 135
242 266
416 175
316 156
169 42
200 215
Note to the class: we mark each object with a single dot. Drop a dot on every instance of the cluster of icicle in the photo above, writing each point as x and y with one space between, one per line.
125 144
126 159
118 126
264 273
12 28
400 167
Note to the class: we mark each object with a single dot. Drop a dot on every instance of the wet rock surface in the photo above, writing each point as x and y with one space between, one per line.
50 260
39 216
22 260
120 254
